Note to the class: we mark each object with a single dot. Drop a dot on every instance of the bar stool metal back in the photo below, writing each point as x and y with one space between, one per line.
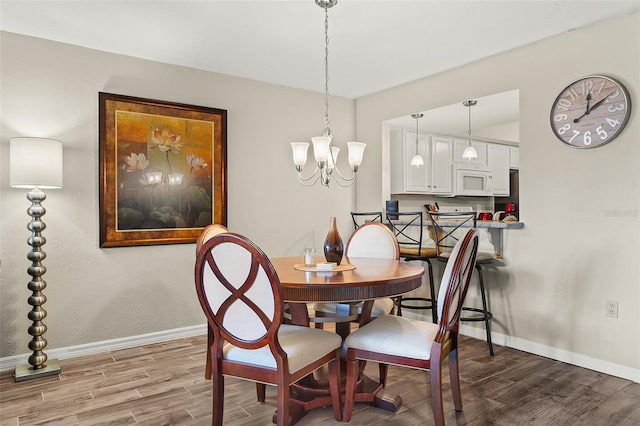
408 229
360 218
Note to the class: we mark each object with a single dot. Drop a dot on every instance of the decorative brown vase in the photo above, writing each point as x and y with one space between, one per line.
333 247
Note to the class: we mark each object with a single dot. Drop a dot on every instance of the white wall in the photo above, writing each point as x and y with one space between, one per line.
580 244
51 90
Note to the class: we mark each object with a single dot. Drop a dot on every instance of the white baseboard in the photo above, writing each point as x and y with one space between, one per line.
606 367
556 354
108 345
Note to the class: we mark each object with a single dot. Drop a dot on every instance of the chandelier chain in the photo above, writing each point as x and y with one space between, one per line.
326 71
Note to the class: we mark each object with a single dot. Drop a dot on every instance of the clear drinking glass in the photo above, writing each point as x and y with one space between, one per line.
309 256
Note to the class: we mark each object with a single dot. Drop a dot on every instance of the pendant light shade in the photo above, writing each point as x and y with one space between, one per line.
417 160
469 152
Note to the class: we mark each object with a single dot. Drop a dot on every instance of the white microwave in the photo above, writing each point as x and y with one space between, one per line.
474 181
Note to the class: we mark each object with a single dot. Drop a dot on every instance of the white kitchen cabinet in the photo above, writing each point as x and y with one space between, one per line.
441 166
499 158
459 146
515 157
434 177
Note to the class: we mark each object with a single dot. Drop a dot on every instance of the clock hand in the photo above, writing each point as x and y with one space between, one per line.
588 101
596 105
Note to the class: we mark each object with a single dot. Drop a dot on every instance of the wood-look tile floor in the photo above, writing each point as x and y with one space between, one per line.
163 384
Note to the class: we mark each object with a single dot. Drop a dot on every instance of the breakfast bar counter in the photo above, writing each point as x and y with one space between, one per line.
494 228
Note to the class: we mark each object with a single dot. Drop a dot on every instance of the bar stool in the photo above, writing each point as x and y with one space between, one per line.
445 226
403 225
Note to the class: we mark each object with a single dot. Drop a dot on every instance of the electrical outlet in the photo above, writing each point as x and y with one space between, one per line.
612 308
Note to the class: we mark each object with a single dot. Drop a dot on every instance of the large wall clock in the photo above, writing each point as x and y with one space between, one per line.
590 112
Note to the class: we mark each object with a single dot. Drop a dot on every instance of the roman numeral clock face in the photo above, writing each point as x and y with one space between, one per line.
590 112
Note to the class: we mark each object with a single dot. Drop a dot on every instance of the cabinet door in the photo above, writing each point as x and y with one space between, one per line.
515 157
416 178
480 147
499 158
441 166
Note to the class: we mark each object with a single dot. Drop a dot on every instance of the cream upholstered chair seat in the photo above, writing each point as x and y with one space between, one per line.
295 342
417 344
482 257
396 335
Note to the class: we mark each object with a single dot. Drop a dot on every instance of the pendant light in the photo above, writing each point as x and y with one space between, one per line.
325 154
469 152
417 159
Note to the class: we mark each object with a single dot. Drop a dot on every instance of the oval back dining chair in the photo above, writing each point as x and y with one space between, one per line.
375 240
208 232
396 340
241 296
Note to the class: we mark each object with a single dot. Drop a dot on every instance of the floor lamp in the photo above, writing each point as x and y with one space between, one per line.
36 163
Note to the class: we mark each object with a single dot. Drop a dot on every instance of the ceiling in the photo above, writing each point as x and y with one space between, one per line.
373 45
494 118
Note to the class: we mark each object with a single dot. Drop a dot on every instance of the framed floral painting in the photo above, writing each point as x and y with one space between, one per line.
162 170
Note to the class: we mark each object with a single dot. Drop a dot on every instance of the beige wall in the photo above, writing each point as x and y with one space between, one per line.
580 243
548 295
51 90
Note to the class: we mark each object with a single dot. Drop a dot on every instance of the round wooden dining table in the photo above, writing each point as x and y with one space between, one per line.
361 279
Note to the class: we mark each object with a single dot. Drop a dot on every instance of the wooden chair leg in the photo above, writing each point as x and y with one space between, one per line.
207 367
334 387
261 391
436 391
455 379
218 398
282 413
350 389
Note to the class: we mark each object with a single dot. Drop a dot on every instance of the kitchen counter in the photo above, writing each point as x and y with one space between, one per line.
491 224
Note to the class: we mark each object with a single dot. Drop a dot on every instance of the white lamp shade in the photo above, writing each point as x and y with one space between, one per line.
35 162
356 152
333 157
299 153
469 153
321 146
417 161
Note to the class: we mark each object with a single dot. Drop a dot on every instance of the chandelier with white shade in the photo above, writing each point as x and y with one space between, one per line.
325 154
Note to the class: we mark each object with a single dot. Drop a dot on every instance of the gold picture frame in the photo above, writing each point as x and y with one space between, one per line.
162 170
